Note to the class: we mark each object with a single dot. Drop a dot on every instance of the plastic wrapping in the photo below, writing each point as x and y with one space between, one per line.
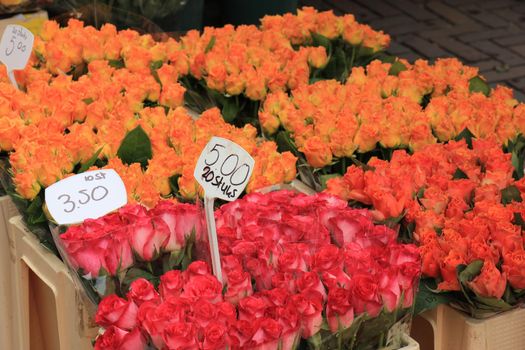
19 6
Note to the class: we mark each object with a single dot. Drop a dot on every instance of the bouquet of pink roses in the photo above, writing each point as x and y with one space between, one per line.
110 252
299 271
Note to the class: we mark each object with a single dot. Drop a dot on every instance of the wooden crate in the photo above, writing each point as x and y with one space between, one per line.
49 313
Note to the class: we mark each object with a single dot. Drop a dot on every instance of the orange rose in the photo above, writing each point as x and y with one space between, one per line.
514 267
490 282
448 270
431 255
317 152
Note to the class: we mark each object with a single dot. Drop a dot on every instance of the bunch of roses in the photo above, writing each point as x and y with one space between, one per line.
316 246
114 243
188 311
463 205
176 143
298 29
329 120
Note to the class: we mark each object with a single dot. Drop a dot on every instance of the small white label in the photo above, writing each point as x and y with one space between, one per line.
16 46
224 169
87 195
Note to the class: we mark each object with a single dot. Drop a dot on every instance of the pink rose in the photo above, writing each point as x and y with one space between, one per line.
251 307
141 291
339 310
115 338
284 280
206 287
197 268
267 334
309 305
239 285
349 226
261 272
288 318
132 212
215 337
203 313
115 311
174 309
180 335
311 281
181 219
327 258
277 297
147 238
118 255
241 333
171 284
295 258
336 278
389 288
226 313
365 293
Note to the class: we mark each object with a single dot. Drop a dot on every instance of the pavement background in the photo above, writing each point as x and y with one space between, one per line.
489 34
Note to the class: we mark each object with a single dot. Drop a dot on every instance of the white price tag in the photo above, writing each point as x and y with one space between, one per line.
91 194
15 48
224 169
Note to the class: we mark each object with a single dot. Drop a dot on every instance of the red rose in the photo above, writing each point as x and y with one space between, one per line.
241 333
356 258
148 238
284 280
251 307
206 287
378 236
146 309
115 311
243 249
180 335
336 278
389 288
309 304
514 267
111 339
288 318
226 313
311 281
203 313
275 297
327 258
490 283
295 258
215 337
141 290
239 285
403 253
197 268
171 284
339 310
181 220
267 335
349 226
365 293
408 279
260 271
175 309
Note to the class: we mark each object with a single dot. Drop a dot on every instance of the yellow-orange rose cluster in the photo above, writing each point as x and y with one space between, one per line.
85 89
331 120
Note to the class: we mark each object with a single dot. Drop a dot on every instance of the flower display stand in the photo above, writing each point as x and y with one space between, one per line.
48 312
454 330
7 211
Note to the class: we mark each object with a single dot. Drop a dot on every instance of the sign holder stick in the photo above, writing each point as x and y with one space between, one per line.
212 237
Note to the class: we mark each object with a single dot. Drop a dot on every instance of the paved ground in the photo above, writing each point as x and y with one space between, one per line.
489 34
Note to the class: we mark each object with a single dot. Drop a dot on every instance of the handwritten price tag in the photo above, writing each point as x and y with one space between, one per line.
86 195
223 169
15 48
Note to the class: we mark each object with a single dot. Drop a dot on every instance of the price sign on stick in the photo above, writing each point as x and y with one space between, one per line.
223 170
86 195
15 48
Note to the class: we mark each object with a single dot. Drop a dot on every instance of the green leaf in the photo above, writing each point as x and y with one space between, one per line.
135 148
321 40
518 221
427 298
459 174
284 143
396 68
492 303
477 84
324 178
88 100
210 45
156 65
35 214
510 194
465 135
230 109
467 273
116 63
90 161
135 273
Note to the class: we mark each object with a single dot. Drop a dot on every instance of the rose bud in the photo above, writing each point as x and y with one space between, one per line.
115 311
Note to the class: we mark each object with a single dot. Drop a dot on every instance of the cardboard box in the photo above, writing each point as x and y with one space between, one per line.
454 330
